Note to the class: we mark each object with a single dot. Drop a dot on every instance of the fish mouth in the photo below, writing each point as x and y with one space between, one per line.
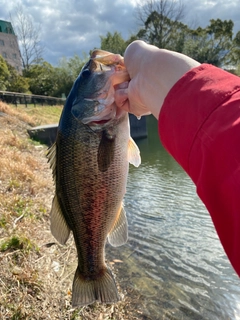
105 113
100 123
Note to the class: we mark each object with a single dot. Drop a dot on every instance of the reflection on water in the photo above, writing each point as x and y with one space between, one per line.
173 256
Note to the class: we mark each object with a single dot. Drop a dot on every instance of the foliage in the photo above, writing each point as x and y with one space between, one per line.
211 44
234 54
17 83
66 73
10 79
161 23
44 79
237 71
16 242
41 78
113 43
4 74
163 32
161 26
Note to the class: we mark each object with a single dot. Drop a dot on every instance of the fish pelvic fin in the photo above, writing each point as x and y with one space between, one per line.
86 290
118 235
133 153
59 227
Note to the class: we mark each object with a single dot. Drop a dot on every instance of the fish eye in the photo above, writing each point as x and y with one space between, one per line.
86 73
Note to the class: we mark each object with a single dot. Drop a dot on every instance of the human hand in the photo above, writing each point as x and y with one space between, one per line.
153 73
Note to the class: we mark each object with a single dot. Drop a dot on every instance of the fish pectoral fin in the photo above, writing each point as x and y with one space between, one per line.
101 288
59 228
105 151
133 153
51 155
119 233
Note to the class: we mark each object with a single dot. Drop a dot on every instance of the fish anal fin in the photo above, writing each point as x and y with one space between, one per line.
133 153
106 151
118 235
101 288
59 227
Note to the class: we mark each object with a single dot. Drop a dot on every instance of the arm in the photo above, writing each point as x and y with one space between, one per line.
198 107
199 125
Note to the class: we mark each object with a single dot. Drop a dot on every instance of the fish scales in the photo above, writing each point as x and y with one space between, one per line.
94 196
90 167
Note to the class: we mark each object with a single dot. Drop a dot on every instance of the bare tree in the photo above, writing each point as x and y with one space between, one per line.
28 35
160 21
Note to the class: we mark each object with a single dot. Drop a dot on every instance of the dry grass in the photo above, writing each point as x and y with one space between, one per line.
31 115
35 272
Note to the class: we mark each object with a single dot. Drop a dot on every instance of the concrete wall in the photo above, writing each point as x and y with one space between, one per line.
138 128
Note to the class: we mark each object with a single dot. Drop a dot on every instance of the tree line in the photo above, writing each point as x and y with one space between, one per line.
160 24
41 77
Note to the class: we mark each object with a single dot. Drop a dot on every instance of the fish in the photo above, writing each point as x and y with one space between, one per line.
90 162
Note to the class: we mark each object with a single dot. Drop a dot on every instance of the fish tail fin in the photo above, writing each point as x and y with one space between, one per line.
102 289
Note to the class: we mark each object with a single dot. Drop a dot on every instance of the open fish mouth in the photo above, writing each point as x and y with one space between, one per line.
103 113
101 121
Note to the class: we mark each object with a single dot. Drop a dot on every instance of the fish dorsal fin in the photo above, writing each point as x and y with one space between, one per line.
133 153
51 155
105 151
119 233
59 227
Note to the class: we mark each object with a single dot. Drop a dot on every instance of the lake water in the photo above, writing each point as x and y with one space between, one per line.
173 257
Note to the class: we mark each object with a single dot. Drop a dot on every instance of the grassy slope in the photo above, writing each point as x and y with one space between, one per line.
35 272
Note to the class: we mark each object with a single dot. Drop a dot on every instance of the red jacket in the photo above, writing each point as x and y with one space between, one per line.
199 125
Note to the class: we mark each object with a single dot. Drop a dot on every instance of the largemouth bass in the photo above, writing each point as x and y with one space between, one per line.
90 161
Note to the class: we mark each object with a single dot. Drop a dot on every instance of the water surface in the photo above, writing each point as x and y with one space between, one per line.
173 258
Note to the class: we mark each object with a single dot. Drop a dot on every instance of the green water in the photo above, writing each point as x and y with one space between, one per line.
173 257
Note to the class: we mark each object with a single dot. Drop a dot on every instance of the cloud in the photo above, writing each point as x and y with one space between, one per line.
71 27
202 11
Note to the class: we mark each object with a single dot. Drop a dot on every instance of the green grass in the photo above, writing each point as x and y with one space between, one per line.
3 222
17 242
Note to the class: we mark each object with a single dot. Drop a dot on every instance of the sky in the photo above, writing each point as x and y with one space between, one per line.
71 27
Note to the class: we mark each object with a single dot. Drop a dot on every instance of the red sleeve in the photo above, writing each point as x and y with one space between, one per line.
199 125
